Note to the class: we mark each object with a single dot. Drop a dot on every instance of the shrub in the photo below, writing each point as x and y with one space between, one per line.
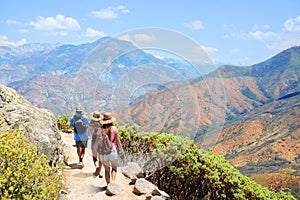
63 122
192 173
24 172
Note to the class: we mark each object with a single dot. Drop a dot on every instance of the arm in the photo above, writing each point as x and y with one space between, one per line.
90 131
119 144
86 121
117 139
95 149
72 121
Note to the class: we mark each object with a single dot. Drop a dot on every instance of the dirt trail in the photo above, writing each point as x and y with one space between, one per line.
82 185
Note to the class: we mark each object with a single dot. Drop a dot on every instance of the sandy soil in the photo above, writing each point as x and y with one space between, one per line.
82 185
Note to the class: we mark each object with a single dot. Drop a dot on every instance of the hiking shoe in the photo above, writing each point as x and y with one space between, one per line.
97 172
80 165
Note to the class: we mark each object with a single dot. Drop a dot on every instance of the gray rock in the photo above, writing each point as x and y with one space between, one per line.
133 171
142 186
38 125
157 198
113 189
158 192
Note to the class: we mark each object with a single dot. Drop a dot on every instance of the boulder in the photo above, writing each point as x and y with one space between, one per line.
132 171
113 189
36 124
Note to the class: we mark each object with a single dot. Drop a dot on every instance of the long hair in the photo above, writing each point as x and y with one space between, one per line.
95 124
107 127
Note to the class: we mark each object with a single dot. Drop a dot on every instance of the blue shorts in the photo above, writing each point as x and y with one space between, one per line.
113 156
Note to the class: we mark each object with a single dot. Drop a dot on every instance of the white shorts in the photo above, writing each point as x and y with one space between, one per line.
113 156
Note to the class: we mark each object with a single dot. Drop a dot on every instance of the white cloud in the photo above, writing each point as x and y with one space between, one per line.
292 24
110 12
285 41
105 14
206 49
144 38
256 35
259 27
12 22
125 37
137 39
53 23
94 33
4 41
260 35
195 25
122 9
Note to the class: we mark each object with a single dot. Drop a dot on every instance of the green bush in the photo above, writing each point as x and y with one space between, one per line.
63 122
193 173
24 172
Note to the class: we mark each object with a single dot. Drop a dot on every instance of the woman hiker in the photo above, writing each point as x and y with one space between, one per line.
109 159
92 133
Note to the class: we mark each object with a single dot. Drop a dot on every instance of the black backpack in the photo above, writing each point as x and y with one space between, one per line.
79 124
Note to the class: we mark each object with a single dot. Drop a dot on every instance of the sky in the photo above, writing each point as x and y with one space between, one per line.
232 32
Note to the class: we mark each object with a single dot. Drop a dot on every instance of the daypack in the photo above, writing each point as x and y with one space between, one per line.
79 124
105 146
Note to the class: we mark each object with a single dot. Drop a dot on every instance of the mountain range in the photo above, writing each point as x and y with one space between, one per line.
248 114
57 76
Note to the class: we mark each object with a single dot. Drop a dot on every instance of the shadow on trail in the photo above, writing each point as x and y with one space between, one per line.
75 166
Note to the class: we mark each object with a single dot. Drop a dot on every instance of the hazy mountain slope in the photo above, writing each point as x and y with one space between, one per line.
248 114
265 135
221 96
59 76
276 76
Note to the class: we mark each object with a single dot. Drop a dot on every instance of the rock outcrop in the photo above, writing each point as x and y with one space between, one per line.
38 125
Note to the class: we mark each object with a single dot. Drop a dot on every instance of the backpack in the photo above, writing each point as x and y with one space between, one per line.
105 146
79 125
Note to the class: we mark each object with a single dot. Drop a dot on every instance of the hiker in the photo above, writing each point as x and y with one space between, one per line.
92 133
79 123
109 159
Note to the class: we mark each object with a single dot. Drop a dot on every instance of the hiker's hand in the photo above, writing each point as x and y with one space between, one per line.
122 155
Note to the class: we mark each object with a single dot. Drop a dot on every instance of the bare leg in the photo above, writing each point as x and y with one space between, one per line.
107 171
114 165
98 169
78 152
82 152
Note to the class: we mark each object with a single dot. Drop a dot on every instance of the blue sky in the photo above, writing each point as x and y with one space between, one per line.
231 32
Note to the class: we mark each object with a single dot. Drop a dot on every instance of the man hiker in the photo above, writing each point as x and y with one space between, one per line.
80 123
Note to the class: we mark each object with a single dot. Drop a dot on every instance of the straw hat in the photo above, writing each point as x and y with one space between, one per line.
107 118
78 109
96 116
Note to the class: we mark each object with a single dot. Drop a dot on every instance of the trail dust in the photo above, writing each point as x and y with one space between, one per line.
81 184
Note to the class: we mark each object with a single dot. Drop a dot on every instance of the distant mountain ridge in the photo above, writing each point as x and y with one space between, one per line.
283 68
34 69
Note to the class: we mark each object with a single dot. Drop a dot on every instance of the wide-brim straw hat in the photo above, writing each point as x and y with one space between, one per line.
107 118
96 116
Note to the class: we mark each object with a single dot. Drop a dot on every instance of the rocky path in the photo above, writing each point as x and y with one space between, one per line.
80 184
